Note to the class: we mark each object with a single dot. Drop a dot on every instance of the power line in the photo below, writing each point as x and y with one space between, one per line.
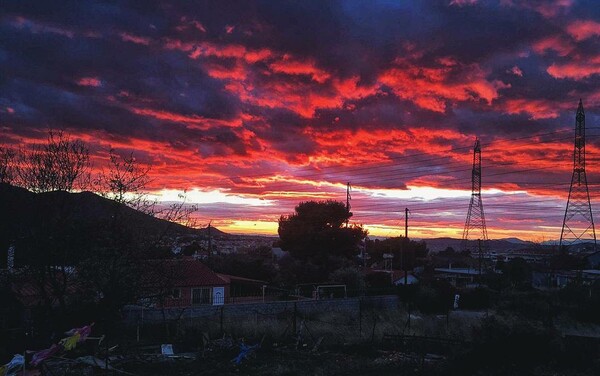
393 175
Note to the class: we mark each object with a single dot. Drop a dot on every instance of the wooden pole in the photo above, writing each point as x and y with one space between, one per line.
360 316
221 320
406 240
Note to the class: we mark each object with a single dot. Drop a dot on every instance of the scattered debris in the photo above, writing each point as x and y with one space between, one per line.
398 357
15 365
95 362
245 352
224 343
166 349
317 344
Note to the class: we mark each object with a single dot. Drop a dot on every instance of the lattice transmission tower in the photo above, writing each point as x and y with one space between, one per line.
578 224
475 224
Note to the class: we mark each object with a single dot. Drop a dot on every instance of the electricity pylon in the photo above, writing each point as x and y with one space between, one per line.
578 224
475 224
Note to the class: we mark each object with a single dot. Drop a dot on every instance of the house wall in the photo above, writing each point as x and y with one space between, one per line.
186 297
457 280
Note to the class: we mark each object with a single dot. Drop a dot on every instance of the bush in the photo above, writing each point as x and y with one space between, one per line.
437 298
478 298
507 348
378 280
533 305
351 277
583 302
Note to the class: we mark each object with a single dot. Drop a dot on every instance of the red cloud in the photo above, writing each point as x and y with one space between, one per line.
430 88
536 108
576 69
41 27
342 147
199 26
561 45
289 65
207 49
548 9
462 3
573 64
299 97
191 121
516 71
583 29
126 37
215 70
187 24
89 81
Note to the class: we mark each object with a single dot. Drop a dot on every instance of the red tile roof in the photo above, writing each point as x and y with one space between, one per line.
29 293
228 278
183 273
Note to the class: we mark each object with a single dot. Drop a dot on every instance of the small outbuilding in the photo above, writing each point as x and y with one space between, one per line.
184 283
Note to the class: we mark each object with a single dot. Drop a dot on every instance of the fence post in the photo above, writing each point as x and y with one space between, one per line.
295 316
374 324
106 357
360 316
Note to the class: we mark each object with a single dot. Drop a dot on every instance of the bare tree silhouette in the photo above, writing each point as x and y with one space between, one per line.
60 164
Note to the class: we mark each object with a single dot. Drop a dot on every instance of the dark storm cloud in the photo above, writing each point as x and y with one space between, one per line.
161 76
55 44
69 66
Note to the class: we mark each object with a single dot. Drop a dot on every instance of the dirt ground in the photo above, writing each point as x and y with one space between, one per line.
356 360
385 343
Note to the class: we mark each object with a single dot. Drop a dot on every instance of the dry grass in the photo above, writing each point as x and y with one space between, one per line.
336 328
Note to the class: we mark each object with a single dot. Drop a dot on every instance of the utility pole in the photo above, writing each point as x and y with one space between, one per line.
363 252
578 223
480 259
209 239
406 211
348 198
475 217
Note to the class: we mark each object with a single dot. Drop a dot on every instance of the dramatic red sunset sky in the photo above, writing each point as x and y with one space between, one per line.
254 106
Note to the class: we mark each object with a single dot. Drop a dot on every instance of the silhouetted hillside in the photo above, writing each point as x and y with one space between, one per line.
82 220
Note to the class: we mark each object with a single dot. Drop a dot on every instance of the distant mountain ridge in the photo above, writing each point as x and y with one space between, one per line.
440 244
515 240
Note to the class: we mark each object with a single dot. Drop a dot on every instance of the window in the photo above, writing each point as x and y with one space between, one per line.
176 294
201 296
